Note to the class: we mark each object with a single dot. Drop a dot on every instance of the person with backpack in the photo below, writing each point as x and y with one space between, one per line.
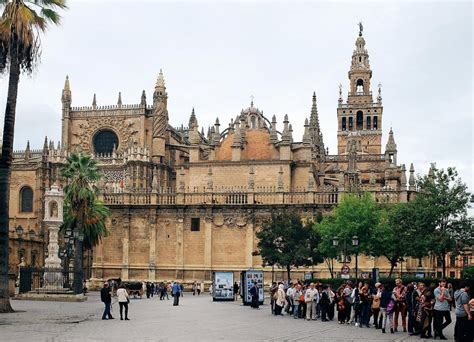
355 295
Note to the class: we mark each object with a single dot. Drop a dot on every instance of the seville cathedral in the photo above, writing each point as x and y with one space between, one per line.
185 203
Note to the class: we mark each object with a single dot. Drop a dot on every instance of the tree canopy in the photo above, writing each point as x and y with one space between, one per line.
286 241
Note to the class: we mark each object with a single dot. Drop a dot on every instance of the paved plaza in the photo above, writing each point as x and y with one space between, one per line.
196 319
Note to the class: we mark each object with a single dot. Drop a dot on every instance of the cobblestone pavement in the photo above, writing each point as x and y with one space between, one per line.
196 319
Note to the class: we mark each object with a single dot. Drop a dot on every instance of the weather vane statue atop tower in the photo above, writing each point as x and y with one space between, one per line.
361 28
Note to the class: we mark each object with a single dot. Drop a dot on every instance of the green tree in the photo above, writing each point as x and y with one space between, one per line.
20 25
398 235
286 241
356 215
84 212
444 200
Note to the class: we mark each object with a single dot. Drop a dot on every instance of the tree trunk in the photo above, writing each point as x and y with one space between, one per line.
5 172
288 268
330 266
392 266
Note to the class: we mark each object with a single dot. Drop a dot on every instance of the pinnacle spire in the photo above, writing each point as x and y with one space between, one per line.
391 145
119 101
192 120
143 98
67 86
160 82
94 101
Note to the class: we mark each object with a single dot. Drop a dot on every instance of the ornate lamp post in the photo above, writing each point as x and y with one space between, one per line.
19 232
355 243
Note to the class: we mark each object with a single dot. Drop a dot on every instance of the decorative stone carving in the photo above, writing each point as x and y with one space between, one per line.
123 128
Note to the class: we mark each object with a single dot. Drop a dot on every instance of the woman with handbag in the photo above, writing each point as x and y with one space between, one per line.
376 305
123 300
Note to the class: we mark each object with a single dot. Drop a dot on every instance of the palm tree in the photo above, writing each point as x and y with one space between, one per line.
84 213
94 227
20 25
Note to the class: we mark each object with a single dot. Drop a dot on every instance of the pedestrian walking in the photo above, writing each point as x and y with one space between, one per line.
106 298
400 308
176 292
387 306
280 300
123 300
194 288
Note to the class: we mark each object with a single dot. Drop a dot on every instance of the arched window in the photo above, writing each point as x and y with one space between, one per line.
360 86
350 123
104 141
376 122
343 127
369 123
360 120
26 199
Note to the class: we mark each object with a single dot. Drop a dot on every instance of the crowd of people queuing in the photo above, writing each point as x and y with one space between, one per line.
423 309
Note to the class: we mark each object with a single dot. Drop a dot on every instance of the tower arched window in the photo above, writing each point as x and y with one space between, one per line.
350 123
376 122
343 124
369 123
26 199
360 120
360 86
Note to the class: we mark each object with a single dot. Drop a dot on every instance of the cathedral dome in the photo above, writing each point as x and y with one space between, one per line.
257 146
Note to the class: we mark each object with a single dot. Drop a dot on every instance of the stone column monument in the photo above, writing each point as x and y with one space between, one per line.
53 218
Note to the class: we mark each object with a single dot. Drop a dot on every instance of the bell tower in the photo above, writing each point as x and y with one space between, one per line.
360 113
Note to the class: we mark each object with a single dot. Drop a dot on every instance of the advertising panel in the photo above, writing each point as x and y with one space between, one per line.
248 279
222 285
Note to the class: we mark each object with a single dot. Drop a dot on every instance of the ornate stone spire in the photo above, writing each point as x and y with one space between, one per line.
411 181
45 145
273 131
143 99
431 171
66 96
94 101
306 134
379 96
391 146
119 101
27 150
160 95
192 120
315 131
217 135
285 136
403 179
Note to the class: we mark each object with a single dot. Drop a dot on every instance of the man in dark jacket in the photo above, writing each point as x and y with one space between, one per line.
106 298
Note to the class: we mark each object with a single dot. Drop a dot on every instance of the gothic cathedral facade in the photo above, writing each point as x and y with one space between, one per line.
185 202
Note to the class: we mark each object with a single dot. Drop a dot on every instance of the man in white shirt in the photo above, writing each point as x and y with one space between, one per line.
311 299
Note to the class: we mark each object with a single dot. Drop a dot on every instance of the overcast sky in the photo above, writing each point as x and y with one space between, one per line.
215 55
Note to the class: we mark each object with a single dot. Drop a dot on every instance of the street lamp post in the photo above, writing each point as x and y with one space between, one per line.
19 232
78 272
355 243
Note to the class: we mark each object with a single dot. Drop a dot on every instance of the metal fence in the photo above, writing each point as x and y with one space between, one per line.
46 280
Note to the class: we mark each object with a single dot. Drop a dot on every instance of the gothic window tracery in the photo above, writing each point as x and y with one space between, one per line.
105 141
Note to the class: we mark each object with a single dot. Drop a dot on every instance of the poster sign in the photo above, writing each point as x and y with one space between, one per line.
223 286
248 279
308 276
345 269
